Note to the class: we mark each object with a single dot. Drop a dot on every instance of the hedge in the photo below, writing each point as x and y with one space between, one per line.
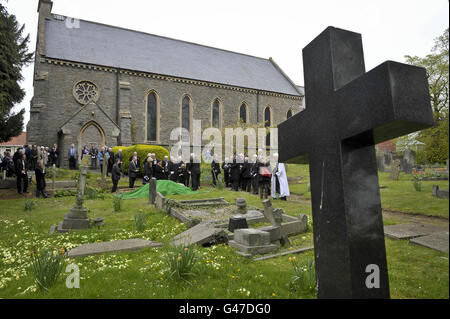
142 151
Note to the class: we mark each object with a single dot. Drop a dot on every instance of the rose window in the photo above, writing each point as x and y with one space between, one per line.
85 92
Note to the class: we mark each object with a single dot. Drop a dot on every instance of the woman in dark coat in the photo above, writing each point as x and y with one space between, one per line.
159 171
40 179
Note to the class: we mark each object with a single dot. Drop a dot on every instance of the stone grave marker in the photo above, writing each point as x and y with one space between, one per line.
111 246
395 169
274 216
152 190
348 112
77 217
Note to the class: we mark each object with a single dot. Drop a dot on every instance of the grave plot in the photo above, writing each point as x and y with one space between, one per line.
213 221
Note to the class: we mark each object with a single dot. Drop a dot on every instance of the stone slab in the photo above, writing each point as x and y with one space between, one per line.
160 200
111 246
437 241
274 232
294 251
251 237
253 250
200 234
408 231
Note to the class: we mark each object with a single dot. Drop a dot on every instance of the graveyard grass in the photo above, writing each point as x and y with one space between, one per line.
414 271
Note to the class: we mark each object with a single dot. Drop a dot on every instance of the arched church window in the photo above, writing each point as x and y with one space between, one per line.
289 114
151 116
243 112
85 92
186 113
216 114
267 123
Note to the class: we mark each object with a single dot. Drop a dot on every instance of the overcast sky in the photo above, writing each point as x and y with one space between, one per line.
279 29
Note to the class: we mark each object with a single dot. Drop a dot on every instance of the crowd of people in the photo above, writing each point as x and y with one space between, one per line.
256 176
29 158
239 173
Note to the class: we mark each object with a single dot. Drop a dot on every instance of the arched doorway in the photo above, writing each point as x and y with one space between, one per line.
91 134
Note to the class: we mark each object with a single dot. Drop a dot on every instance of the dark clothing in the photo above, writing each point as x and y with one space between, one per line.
40 182
235 174
118 156
264 181
226 173
182 176
148 169
93 153
194 168
132 173
138 160
115 176
215 171
246 176
34 159
21 174
254 177
159 173
54 156
172 171
110 162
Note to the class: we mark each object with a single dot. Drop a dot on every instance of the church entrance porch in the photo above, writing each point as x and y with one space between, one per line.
91 135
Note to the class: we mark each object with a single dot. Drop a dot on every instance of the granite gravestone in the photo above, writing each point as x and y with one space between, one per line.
349 111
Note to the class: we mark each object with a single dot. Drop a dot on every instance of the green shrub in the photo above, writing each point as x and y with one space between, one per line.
65 192
46 266
140 220
304 279
30 204
117 203
180 261
142 151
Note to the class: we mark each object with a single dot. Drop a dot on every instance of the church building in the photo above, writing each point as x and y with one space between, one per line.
106 85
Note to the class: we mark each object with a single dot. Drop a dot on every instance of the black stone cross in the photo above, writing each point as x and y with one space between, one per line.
347 112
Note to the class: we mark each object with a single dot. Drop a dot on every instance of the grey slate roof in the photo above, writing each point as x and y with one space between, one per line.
105 45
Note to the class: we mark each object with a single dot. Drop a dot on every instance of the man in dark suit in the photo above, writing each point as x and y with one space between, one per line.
132 171
215 170
193 169
115 175
21 173
138 159
73 157
40 179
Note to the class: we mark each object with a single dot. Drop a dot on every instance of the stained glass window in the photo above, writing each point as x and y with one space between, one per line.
85 92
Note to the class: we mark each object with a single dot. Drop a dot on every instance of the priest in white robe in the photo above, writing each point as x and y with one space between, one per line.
280 186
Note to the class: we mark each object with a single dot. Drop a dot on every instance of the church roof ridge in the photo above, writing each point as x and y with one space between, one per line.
163 36
102 44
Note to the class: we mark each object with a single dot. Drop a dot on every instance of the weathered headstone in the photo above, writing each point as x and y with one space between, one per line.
395 170
348 112
77 217
152 190
436 192
274 216
380 162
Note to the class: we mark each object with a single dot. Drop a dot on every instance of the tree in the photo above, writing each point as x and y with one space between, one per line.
13 56
434 140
